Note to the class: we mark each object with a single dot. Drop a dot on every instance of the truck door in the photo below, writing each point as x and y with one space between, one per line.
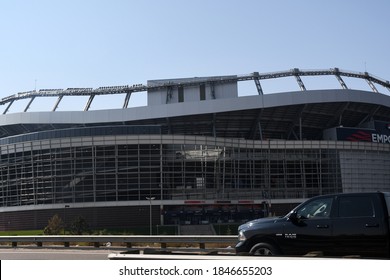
310 229
358 227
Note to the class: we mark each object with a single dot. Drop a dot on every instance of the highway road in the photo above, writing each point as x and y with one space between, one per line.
103 254
55 254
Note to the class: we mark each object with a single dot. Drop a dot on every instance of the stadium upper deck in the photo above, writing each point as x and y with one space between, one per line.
287 115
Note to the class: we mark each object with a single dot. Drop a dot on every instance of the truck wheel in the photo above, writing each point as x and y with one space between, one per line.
264 249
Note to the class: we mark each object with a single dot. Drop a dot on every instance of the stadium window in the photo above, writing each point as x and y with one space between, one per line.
202 92
181 94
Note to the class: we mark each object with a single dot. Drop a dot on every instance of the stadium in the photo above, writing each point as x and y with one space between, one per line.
198 153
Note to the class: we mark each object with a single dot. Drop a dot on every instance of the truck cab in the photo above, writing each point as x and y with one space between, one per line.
336 225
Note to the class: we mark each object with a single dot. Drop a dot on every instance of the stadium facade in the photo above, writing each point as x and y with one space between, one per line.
197 153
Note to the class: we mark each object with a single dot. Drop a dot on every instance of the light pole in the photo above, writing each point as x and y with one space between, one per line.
150 214
66 206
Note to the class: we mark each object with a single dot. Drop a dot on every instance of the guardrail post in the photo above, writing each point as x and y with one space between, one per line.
128 241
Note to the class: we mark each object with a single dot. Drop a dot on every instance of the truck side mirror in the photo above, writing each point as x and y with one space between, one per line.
295 218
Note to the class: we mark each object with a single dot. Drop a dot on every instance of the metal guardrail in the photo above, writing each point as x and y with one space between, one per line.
128 240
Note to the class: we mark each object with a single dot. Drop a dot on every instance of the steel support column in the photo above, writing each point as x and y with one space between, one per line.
299 80
29 104
371 84
257 83
57 102
9 106
341 81
127 99
91 97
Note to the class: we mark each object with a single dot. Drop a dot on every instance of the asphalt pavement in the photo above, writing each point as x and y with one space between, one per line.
55 254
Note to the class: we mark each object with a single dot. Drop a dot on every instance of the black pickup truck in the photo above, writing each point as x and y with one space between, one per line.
336 225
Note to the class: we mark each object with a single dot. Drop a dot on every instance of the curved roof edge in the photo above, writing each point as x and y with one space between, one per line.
196 108
167 86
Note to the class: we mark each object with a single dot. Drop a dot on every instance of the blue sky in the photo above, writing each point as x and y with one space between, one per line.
84 43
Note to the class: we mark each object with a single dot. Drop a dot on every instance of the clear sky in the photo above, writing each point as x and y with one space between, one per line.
93 43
